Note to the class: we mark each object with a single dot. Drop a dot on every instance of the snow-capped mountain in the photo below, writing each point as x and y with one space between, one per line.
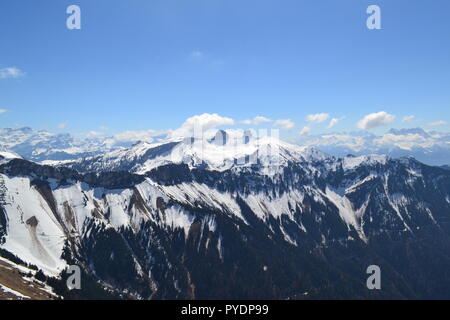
5 155
222 151
430 147
42 145
230 215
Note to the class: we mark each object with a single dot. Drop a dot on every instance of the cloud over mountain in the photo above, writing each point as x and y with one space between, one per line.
202 122
284 124
374 120
256 120
318 117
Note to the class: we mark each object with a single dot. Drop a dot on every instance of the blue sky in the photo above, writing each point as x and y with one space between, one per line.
140 64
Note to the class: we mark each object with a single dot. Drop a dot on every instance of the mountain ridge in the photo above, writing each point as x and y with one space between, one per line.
167 224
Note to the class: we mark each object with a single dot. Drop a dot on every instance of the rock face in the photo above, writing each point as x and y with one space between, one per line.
182 228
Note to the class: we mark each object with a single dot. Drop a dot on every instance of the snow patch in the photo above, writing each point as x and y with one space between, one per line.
14 292
349 163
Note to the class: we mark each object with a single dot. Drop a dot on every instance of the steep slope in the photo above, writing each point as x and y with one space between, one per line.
18 282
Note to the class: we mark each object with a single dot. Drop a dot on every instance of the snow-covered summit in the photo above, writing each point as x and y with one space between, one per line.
6 155
352 162
219 150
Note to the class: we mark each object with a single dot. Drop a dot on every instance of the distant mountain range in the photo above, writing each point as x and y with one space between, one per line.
432 147
43 145
229 216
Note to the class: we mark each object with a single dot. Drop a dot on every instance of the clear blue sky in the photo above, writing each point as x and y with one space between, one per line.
141 64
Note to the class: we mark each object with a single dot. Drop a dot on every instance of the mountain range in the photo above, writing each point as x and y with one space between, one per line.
430 147
225 216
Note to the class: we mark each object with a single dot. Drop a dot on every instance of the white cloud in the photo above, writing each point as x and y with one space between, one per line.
408 119
285 124
305 131
334 122
3 111
11 72
104 128
208 121
203 122
318 117
196 55
438 123
374 120
62 125
256 120
92 134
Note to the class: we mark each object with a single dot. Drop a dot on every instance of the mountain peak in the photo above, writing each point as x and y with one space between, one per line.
406 131
8 155
221 138
220 150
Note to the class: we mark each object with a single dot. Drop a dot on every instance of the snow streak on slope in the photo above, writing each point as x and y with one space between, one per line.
33 232
13 292
200 195
284 204
346 210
